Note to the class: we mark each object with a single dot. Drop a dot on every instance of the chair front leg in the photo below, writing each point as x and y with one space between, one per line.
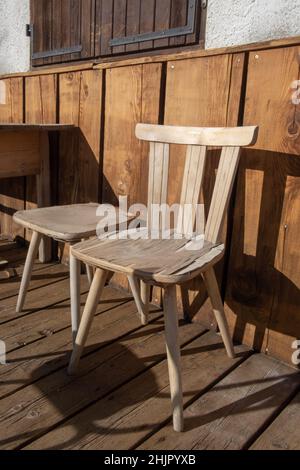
75 294
141 294
31 256
173 354
87 318
218 308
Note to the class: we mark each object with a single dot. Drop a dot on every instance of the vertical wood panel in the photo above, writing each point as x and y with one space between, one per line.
263 296
88 28
147 21
80 104
162 21
133 22
104 20
75 26
197 94
178 18
12 190
132 96
40 108
119 23
59 24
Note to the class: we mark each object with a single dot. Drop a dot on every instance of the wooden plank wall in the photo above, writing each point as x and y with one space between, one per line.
263 282
260 275
13 189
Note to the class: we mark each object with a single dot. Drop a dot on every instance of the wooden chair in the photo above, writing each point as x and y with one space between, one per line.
67 224
164 262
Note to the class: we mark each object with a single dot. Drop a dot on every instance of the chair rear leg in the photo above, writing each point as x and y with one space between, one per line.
89 273
141 294
173 353
145 297
75 294
31 256
218 308
87 318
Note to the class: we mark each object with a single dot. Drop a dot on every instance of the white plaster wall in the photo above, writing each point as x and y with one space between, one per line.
14 44
234 22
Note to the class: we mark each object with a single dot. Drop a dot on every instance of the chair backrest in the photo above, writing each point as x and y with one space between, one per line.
197 139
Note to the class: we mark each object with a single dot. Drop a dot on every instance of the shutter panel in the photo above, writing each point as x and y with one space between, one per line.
61 30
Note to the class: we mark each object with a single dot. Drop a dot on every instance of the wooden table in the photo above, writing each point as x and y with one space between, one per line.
24 151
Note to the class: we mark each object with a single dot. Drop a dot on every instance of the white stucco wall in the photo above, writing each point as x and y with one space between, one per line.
234 22
14 45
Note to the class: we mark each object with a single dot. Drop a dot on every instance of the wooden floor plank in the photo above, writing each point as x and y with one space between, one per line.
284 432
31 412
42 295
137 409
42 275
51 352
234 410
48 312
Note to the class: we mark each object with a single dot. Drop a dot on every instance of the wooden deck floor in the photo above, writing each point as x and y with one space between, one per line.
121 398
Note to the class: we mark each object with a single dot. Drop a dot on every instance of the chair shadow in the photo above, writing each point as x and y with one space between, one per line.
263 271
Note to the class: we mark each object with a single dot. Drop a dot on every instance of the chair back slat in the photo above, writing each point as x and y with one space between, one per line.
191 187
222 191
158 176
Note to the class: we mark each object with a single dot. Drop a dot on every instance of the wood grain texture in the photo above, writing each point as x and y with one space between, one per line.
63 24
133 351
263 278
149 390
40 108
283 433
132 96
229 415
80 102
12 190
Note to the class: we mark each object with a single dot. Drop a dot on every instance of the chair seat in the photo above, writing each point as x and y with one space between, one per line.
65 223
163 261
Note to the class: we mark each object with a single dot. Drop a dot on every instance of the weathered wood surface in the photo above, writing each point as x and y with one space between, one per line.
11 190
40 101
120 401
283 433
262 295
230 415
80 101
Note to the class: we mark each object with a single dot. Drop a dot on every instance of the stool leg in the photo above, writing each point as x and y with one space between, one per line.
75 294
87 318
31 256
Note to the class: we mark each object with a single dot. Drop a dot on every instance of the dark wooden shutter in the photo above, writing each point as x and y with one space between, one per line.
165 21
62 30
70 30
